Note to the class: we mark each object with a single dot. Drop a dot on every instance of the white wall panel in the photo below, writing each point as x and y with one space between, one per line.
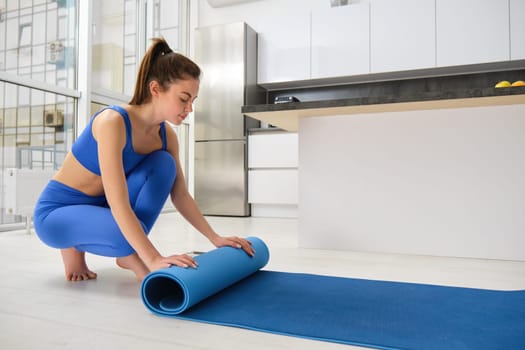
441 182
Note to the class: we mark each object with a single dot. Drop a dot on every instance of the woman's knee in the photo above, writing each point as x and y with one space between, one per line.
163 163
50 233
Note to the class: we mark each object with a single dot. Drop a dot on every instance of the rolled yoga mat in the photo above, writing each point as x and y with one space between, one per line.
173 290
227 289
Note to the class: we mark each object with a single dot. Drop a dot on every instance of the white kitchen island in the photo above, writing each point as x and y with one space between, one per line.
438 177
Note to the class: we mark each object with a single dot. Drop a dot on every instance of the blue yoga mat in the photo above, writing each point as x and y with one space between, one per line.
228 288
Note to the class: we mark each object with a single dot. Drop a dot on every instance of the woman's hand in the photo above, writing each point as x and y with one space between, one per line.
235 242
182 260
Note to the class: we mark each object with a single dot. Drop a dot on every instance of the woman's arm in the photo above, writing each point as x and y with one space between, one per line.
110 132
187 207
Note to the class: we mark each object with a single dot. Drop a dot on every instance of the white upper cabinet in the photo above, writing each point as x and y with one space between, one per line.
403 35
341 41
373 36
472 31
517 29
284 48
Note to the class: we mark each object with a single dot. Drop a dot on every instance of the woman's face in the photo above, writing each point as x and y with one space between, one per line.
176 102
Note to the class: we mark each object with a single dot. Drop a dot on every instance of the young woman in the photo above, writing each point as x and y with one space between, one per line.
113 184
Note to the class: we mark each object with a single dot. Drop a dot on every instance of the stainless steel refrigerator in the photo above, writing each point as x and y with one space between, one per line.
227 55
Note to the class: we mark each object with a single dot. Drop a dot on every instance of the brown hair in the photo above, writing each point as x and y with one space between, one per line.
160 63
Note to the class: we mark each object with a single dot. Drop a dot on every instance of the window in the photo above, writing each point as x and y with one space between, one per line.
114 48
38 73
38 40
37 87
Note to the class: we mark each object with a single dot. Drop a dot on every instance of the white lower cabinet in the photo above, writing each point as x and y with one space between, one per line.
273 174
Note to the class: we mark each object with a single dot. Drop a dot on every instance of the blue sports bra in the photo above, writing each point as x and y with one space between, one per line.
85 148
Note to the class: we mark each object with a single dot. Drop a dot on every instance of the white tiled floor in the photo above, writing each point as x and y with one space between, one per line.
40 310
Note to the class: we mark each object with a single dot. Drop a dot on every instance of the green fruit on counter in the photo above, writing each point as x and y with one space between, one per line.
518 83
503 84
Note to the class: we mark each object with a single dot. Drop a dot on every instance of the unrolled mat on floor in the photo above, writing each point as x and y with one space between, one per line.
228 288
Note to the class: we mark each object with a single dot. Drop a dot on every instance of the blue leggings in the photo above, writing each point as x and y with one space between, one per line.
65 217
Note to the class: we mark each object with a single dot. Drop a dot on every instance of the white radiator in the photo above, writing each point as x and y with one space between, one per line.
22 189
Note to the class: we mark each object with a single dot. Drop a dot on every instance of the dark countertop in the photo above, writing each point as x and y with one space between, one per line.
377 100
287 115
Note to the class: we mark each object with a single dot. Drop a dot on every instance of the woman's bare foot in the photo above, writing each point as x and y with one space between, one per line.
75 265
134 263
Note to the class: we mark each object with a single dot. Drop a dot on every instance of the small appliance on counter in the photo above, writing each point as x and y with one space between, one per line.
285 99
